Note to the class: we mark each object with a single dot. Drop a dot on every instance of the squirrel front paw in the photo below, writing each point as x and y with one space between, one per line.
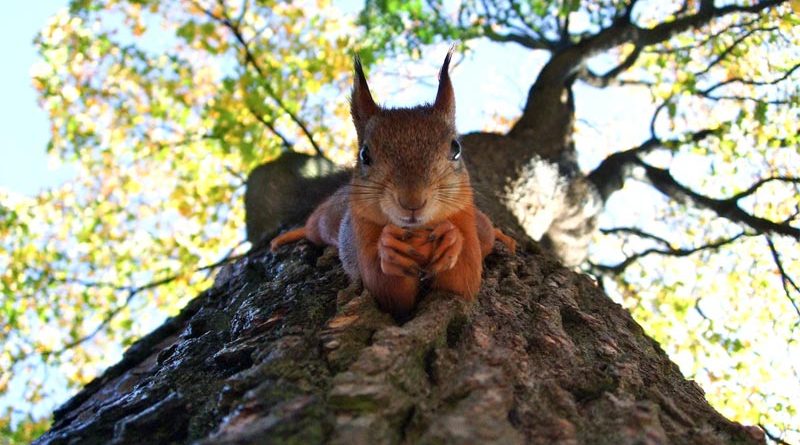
399 257
448 242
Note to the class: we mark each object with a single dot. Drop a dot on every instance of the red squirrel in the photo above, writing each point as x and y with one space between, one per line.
408 214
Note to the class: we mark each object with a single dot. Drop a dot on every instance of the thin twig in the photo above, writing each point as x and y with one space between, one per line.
743 81
251 60
637 232
772 436
132 292
728 208
786 280
680 252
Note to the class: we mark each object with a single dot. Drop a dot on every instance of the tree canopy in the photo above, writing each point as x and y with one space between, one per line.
164 107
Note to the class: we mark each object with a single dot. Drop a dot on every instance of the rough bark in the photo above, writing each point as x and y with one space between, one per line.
282 350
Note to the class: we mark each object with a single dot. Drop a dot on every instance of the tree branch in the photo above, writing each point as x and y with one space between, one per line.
521 39
786 280
637 232
729 49
624 31
707 12
707 91
753 188
132 292
271 126
566 63
727 208
773 437
610 175
669 251
610 77
748 99
251 60
713 36
160 146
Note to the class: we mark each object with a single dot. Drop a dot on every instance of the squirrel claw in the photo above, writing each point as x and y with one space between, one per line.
448 248
396 269
415 254
397 232
398 258
394 250
440 230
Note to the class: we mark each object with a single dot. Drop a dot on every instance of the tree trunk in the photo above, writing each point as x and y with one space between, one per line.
282 350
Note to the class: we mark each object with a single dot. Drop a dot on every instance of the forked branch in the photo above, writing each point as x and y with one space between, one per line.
235 28
664 250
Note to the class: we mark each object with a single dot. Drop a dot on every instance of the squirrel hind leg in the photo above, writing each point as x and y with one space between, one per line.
509 242
287 237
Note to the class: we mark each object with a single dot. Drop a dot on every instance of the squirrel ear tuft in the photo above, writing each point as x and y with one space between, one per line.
362 107
445 97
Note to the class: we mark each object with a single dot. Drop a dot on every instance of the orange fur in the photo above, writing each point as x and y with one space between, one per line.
488 233
509 242
464 278
408 173
287 237
395 293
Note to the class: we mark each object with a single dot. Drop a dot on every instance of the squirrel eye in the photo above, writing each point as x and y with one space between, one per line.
455 150
363 155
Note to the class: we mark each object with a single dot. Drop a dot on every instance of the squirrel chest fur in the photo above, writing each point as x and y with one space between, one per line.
407 216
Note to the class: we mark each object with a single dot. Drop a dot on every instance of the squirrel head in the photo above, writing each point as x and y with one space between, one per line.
409 169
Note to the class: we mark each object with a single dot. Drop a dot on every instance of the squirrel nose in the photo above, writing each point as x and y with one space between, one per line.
412 204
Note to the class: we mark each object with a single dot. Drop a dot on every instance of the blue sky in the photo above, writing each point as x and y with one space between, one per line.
23 125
